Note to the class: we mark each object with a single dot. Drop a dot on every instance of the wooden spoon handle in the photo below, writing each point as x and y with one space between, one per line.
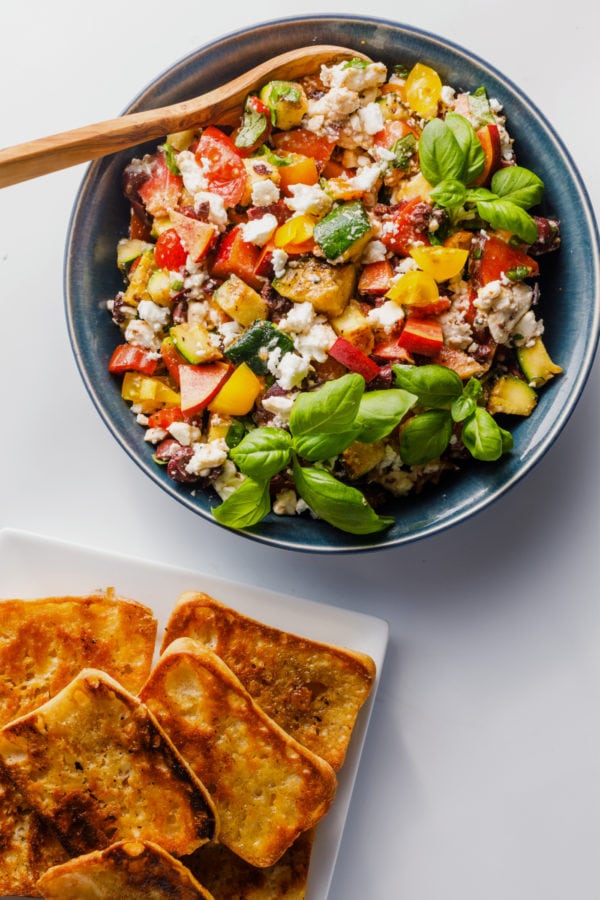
220 106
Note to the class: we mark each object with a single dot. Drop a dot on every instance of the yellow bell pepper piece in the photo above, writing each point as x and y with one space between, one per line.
238 394
423 90
296 230
441 263
414 289
149 392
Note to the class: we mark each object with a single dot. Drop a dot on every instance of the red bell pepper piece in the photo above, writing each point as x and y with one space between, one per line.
127 358
162 418
354 359
391 349
376 278
172 358
405 227
235 256
422 336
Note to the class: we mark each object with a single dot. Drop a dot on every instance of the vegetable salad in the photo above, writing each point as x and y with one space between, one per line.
335 303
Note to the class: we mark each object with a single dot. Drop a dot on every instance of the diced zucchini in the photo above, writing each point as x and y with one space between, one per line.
287 103
253 347
181 140
355 327
137 289
512 396
160 224
536 364
328 288
159 287
193 342
359 458
240 301
344 232
129 249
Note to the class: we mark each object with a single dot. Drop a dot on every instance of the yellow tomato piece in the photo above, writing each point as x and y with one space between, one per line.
441 263
238 394
423 90
296 230
414 289
148 392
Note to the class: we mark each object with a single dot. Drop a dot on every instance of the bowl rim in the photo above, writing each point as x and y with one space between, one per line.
353 543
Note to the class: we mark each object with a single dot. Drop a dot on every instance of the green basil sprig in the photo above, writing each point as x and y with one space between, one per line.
323 423
451 159
447 402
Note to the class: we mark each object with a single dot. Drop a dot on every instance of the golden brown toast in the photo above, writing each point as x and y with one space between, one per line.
28 845
230 878
45 643
126 870
313 690
94 761
267 787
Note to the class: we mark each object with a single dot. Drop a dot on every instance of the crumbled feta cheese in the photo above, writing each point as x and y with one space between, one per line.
284 503
355 78
184 432
289 370
217 213
299 319
197 311
458 333
258 231
501 307
229 331
264 193
280 405
207 456
386 316
155 315
194 177
279 260
316 343
308 198
448 95
375 251
141 334
408 264
155 435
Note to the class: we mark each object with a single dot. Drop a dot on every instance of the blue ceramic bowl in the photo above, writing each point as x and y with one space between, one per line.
569 283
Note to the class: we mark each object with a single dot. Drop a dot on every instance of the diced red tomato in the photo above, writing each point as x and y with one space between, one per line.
162 418
422 336
404 228
196 237
391 349
376 278
200 384
354 359
169 252
499 258
434 309
238 257
127 358
224 168
162 189
306 143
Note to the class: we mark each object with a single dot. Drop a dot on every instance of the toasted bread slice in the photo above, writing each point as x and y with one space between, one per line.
28 845
94 761
313 690
230 878
45 643
126 870
267 787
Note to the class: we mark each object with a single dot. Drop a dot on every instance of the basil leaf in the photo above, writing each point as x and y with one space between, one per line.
253 128
263 452
170 159
323 445
425 437
331 407
440 155
519 185
449 193
474 195
473 388
380 411
337 503
507 440
355 63
434 385
482 436
248 504
507 216
403 149
462 408
470 145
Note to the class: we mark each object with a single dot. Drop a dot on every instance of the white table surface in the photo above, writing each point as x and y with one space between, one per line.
480 778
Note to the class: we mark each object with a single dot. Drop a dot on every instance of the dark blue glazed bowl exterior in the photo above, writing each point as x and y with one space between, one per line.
569 282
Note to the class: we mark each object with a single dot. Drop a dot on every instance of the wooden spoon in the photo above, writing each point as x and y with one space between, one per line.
220 106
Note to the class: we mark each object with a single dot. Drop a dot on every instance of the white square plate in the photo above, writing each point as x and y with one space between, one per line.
36 566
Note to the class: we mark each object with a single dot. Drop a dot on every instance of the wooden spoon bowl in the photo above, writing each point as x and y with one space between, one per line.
220 106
